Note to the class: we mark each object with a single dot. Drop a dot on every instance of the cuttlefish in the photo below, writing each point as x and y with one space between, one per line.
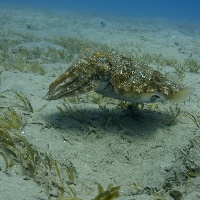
116 76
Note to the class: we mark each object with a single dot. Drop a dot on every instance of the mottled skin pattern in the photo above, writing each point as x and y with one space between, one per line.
115 76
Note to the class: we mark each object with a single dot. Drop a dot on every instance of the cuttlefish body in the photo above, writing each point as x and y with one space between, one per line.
118 77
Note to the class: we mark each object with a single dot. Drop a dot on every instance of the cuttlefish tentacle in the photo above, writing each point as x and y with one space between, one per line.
118 77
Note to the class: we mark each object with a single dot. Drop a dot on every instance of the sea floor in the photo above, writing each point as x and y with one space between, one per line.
84 143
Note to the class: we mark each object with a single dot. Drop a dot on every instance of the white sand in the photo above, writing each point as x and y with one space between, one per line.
133 149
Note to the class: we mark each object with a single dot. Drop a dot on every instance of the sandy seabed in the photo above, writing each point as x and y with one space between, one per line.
150 152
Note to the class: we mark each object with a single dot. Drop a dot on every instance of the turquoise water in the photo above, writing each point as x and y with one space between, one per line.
184 10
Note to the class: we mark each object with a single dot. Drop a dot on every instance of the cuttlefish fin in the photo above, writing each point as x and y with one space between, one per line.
147 97
180 95
156 96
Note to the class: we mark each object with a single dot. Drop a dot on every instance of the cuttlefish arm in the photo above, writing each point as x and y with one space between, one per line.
81 77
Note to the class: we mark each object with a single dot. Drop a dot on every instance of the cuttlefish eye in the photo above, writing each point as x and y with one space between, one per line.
156 98
152 97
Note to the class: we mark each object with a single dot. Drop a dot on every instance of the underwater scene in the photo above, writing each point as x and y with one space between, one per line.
100 100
